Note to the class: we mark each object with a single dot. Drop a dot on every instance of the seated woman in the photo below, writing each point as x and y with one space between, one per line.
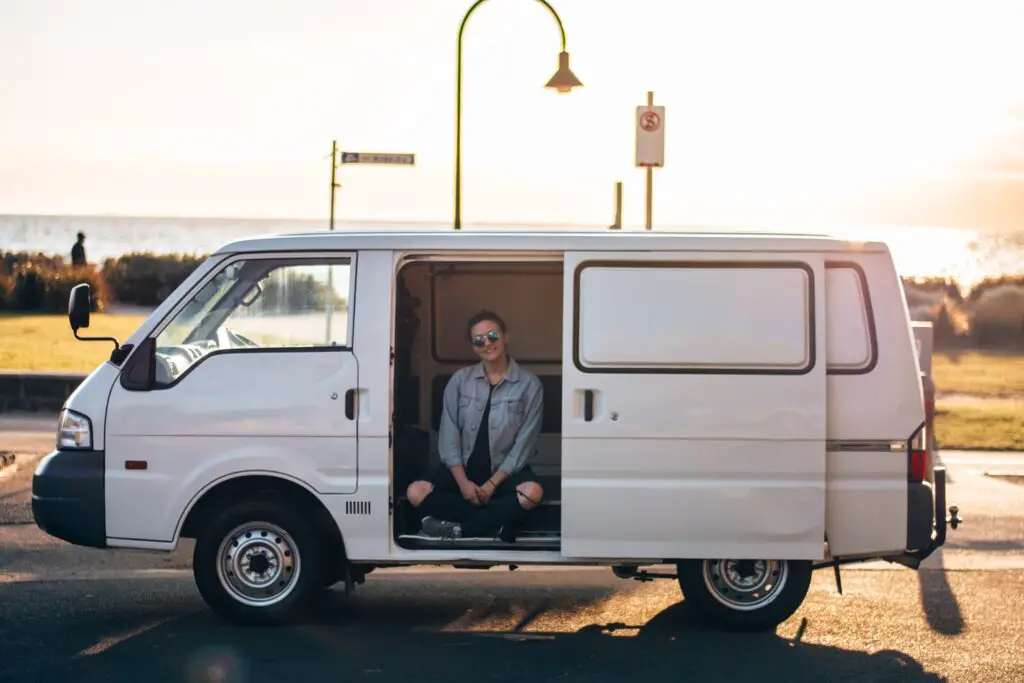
489 428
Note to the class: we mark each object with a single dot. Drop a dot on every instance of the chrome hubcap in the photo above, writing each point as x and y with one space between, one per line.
745 585
258 564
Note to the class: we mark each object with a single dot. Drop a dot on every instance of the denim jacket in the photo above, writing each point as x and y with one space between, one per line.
516 411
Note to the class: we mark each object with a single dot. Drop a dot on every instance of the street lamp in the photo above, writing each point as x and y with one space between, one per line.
563 81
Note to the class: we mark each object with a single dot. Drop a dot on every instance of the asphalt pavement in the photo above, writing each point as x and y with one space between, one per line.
75 614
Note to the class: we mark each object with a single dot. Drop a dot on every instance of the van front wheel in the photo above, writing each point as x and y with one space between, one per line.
257 562
745 595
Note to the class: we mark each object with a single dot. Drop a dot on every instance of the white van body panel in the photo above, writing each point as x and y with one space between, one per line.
363 517
858 375
90 399
875 400
708 439
233 415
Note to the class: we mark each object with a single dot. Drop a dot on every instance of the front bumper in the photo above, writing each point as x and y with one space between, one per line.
68 497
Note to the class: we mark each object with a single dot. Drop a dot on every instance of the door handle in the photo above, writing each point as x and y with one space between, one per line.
588 405
350 404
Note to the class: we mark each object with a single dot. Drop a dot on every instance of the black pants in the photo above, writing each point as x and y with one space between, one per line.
502 512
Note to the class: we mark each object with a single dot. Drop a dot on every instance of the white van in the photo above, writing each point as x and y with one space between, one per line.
744 408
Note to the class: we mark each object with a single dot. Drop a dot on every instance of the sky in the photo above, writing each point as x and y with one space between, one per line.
786 110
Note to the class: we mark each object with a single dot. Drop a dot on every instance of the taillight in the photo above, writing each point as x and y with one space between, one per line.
917 455
918 461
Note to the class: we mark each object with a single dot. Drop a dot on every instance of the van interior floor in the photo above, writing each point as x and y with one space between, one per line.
540 530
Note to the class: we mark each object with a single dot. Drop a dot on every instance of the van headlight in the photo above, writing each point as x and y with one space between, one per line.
74 431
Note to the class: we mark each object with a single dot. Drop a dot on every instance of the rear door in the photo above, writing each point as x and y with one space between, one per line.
693 405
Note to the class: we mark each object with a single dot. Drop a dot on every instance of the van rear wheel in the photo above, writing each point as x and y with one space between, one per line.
258 562
745 595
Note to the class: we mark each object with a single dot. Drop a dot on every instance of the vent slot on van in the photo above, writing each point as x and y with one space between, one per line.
357 507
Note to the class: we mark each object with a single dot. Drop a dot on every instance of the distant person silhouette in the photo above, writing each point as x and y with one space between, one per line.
78 251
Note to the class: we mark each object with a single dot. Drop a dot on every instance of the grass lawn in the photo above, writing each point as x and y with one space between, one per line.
989 425
979 373
46 342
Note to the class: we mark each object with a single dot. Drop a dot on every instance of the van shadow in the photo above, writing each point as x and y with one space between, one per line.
416 639
940 605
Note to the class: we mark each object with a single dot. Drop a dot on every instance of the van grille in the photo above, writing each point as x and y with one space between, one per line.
357 507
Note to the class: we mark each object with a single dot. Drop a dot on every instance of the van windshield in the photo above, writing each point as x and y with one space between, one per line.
200 307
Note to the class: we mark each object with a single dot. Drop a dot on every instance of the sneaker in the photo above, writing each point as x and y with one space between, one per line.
438 528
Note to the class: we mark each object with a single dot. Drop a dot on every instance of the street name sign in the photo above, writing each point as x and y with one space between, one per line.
378 158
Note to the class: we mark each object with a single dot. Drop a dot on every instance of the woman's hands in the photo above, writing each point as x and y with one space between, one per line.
477 495
470 491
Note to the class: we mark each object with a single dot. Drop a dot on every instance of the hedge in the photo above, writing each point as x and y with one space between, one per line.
146 279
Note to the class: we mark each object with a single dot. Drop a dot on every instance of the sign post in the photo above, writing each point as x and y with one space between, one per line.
650 146
334 183
363 158
353 158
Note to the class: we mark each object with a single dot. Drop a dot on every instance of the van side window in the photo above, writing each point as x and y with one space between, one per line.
851 346
661 317
258 305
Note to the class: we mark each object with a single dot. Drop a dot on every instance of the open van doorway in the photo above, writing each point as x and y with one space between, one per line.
435 298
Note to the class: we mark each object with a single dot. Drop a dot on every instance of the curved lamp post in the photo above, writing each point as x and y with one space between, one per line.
563 81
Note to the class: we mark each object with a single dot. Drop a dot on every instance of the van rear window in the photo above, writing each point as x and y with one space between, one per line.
851 347
695 317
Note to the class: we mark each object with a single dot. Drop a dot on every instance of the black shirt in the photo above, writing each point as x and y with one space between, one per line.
478 469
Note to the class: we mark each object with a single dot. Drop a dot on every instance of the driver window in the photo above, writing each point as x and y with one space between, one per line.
294 305
259 304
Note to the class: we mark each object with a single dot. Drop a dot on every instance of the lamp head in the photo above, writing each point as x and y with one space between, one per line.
564 79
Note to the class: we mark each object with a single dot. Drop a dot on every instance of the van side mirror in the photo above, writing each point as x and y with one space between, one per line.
79 307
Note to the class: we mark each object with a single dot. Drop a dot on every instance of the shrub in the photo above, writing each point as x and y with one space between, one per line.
6 290
950 321
35 288
990 283
931 290
146 279
11 260
997 317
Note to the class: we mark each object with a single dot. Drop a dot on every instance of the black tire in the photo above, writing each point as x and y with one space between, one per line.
780 595
282 536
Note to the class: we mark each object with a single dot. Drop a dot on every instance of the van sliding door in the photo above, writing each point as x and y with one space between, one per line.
693 406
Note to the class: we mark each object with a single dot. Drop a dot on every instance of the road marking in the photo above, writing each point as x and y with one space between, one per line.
111 641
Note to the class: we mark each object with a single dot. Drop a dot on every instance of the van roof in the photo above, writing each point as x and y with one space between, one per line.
531 239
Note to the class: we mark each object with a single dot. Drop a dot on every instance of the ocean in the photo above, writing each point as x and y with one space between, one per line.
967 255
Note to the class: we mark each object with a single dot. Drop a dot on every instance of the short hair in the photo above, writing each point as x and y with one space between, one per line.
481 316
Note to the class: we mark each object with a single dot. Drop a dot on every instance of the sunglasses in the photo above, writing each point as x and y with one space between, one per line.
480 340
